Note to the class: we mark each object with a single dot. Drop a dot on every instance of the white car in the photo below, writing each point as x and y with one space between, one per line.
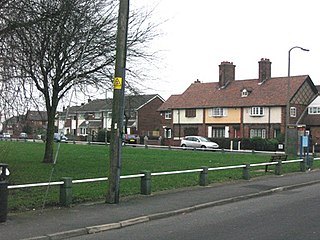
6 135
59 137
197 142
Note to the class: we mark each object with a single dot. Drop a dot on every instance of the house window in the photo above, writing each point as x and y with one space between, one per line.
244 93
217 112
218 132
83 131
167 133
276 133
191 131
293 111
258 132
257 111
314 110
168 115
191 112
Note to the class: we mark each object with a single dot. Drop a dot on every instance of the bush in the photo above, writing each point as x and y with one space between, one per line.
101 137
260 144
256 143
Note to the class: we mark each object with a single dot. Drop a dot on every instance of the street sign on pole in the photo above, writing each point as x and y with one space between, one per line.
118 104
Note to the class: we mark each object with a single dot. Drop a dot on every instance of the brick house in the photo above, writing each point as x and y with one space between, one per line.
312 120
141 116
13 125
67 120
37 120
34 122
166 122
146 120
233 108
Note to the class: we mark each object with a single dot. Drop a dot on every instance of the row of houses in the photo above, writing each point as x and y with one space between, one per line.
249 108
140 116
79 122
227 108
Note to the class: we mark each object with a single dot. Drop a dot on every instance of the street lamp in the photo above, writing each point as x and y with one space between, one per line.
288 96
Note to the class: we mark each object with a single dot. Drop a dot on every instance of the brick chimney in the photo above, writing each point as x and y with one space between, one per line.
226 73
264 69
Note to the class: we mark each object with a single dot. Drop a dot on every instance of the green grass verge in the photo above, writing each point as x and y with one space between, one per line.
91 161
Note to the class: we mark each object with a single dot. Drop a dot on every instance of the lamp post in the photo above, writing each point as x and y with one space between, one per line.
288 96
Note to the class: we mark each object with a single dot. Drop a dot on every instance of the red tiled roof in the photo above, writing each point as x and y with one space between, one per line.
167 105
272 92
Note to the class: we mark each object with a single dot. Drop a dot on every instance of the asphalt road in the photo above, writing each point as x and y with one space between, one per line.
285 215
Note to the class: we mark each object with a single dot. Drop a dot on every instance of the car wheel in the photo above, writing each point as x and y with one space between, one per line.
203 146
183 146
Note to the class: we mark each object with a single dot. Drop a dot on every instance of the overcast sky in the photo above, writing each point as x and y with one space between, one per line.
200 34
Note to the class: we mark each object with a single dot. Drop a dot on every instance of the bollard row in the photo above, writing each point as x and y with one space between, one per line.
145 184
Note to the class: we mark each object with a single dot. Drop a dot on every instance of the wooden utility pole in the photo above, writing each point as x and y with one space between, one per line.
118 105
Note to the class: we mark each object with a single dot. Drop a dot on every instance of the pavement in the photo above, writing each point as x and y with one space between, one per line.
64 223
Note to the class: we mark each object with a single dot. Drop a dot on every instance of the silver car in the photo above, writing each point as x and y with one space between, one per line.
197 142
6 135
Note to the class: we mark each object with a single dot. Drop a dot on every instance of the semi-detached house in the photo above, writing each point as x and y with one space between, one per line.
233 108
140 116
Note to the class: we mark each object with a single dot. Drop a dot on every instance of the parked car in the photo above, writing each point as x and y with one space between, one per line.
59 137
23 135
130 138
197 142
6 135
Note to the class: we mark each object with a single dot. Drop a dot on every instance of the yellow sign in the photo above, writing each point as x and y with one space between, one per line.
117 83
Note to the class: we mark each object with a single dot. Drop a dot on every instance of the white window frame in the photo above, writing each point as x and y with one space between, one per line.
258 132
218 132
257 111
167 133
218 112
293 112
313 110
168 115
83 131
244 93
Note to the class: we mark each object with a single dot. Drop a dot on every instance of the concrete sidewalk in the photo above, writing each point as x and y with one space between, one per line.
64 223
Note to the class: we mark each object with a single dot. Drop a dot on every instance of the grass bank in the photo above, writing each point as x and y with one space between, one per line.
91 161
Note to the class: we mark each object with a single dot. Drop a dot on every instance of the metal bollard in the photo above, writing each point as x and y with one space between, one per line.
310 162
203 181
278 170
246 172
303 166
66 192
4 173
145 186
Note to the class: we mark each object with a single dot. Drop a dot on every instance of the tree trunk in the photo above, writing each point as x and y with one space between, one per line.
48 155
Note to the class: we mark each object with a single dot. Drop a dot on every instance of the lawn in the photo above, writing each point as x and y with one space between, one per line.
92 161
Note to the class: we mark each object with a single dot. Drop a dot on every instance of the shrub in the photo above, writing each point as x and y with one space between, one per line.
256 143
101 136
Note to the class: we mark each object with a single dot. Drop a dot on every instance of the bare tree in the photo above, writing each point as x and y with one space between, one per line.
58 45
